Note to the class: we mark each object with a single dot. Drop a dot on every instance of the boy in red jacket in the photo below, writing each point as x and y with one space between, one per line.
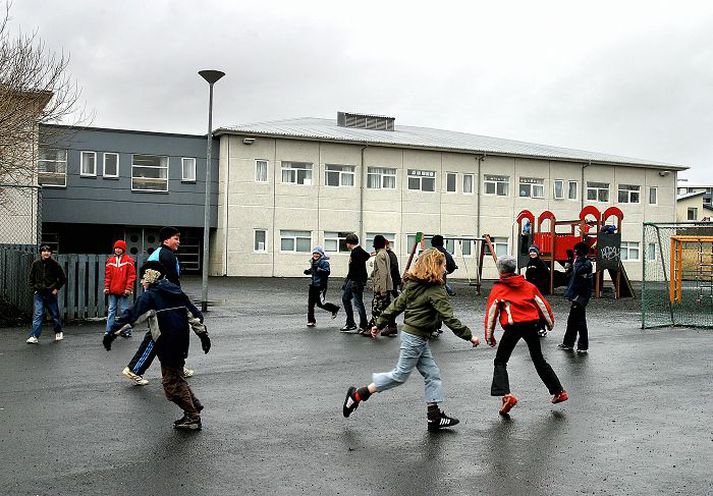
119 278
520 307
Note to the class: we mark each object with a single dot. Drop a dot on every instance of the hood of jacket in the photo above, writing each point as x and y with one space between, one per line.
515 281
320 250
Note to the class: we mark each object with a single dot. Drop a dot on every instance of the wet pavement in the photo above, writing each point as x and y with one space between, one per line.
638 421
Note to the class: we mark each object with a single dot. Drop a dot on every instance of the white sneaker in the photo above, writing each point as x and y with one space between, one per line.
59 336
135 378
32 340
188 372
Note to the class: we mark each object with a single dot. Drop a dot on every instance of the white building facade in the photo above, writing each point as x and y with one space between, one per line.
287 186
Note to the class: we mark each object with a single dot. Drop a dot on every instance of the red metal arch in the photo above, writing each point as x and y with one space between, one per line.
613 211
590 210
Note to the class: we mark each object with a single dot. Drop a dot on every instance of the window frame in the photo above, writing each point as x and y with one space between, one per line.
695 213
501 242
626 248
259 161
472 184
390 237
104 157
495 180
296 171
651 255
167 168
455 182
554 189
576 190
195 170
57 163
629 193
382 175
655 191
531 183
339 237
598 190
420 175
81 163
295 238
255 241
340 174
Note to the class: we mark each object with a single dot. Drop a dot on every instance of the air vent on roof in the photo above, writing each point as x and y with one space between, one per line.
365 121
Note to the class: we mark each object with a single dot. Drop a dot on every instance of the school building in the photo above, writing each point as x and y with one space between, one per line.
285 186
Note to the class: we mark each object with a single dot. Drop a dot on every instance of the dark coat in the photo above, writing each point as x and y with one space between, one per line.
319 270
46 275
579 289
538 274
168 259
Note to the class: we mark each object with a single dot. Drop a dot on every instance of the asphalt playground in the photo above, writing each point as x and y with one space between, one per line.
638 421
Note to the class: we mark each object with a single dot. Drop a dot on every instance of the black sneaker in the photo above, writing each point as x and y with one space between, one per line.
311 324
564 347
350 404
348 328
187 423
441 421
334 313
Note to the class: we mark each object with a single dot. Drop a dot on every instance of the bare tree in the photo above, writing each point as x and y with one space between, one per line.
35 88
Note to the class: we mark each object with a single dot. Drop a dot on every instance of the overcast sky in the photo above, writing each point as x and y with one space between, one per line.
631 78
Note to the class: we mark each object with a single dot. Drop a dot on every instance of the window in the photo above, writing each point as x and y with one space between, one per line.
629 193
52 167
651 252
111 165
572 187
149 173
188 170
630 250
411 239
261 171
88 164
468 184
391 237
451 178
558 189
532 187
380 178
297 173
260 240
466 248
421 180
296 241
500 245
692 213
338 175
598 192
653 195
335 242
496 185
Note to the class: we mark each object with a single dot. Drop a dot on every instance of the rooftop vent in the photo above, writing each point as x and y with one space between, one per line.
365 121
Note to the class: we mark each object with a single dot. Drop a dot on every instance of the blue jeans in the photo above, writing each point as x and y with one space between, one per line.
414 352
354 291
116 301
45 300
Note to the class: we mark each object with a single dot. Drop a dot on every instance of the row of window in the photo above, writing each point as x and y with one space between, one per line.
335 242
148 172
425 180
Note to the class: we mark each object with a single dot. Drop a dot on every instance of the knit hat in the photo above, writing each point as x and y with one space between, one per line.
437 240
120 244
167 232
46 248
534 248
506 264
379 241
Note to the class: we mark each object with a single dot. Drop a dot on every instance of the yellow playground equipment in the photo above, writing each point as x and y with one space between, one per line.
691 260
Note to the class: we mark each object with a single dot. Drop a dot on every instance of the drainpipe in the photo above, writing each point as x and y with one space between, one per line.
582 187
225 206
361 195
478 180
274 202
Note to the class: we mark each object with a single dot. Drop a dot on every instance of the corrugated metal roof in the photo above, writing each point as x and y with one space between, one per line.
316 129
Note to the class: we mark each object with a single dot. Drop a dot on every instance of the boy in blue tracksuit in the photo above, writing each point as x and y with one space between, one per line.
170 314
579 291
319 270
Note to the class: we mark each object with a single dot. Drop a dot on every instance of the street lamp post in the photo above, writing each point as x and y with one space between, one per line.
211 77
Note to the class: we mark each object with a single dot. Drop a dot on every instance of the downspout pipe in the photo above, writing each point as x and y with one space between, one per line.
582 191
478 182
361 194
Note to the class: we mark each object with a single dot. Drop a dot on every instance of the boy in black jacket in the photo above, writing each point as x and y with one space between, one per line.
169 313
353 288
46 279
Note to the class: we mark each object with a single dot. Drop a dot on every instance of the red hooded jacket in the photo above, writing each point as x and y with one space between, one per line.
120 274
514 300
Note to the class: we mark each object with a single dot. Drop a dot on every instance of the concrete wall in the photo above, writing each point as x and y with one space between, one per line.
246 205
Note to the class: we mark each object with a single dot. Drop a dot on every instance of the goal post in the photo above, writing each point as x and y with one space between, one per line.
677 282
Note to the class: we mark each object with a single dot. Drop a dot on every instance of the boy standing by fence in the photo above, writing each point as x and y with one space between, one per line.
46 279
119 278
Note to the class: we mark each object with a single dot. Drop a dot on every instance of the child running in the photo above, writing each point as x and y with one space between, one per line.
520 306
319 271
426 306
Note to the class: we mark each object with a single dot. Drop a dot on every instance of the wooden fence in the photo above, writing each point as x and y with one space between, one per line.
81 298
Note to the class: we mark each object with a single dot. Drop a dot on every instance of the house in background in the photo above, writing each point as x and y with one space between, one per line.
692 207
684 188
101 184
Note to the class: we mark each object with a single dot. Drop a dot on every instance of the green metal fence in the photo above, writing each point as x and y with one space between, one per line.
695 308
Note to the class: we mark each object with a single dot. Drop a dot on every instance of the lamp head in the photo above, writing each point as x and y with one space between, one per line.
211 76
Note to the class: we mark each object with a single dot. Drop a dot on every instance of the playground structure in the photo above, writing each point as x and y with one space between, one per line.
592 228
477 246
691 260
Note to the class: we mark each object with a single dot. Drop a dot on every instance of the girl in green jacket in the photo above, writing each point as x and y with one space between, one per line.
426 307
